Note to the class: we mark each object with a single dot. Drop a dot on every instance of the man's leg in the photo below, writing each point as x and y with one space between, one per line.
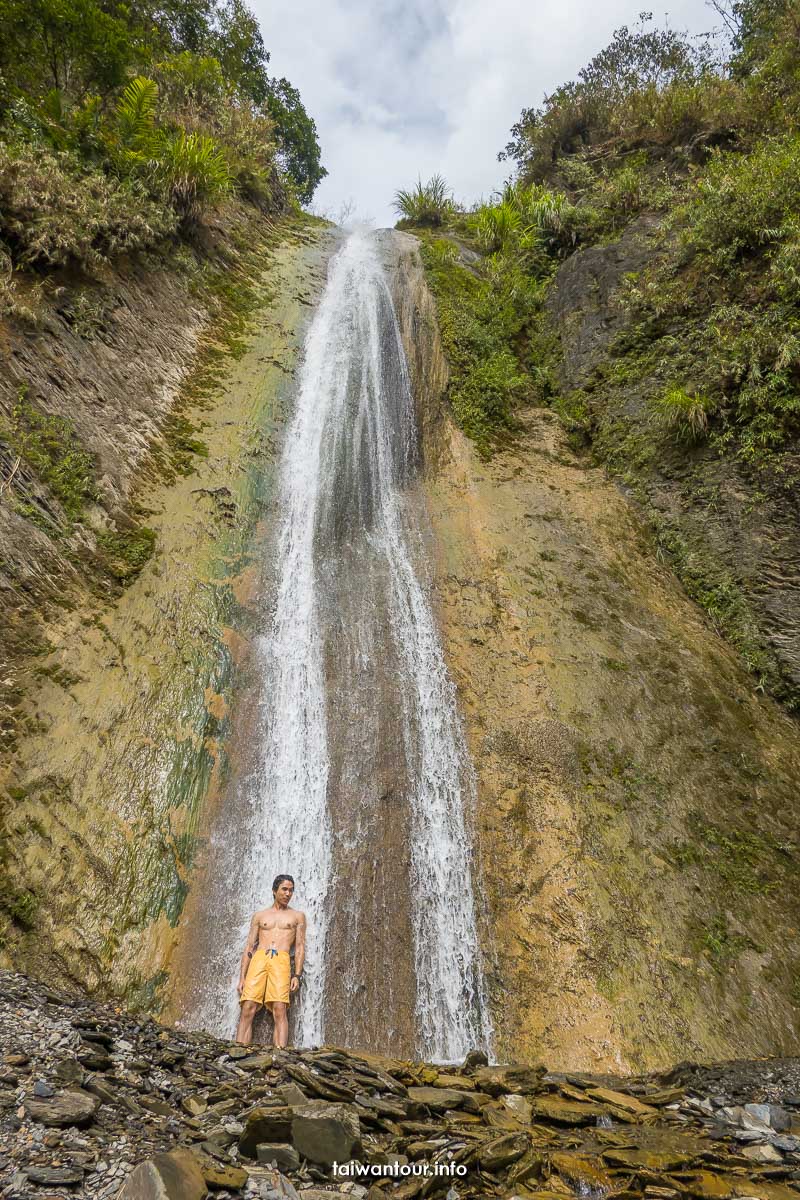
280 1016
244 1032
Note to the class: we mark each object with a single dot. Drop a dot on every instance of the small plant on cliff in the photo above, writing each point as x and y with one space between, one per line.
194 172
684 414
426 204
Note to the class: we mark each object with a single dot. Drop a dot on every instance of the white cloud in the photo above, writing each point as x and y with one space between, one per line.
405 88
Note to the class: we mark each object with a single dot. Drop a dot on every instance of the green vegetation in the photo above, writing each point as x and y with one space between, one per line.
121 125
126 553
744 859
49 446
426 204
684 153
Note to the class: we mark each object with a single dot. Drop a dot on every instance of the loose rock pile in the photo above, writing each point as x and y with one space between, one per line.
95 1102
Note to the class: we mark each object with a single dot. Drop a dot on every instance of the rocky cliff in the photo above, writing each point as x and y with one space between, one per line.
137 429
636 828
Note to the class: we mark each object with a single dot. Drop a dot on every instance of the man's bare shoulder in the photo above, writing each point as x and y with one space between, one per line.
298 915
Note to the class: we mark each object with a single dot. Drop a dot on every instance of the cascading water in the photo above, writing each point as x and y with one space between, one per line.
363 783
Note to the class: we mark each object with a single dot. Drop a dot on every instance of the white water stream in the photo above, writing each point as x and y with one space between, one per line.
347 480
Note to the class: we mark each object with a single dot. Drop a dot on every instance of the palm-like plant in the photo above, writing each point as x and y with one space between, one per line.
192 169
427 203
136 116
497 224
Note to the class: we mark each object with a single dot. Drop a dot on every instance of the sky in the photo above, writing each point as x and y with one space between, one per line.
402 89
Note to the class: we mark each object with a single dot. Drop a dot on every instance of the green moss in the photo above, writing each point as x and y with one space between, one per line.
481 325
144 995
20 905
716 940
745 859
723 599
50 447
125 553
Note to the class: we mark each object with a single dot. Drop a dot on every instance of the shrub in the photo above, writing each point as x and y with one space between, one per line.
683 414
426 204
496 225
53 211
49 445
483 399
743 202
192 169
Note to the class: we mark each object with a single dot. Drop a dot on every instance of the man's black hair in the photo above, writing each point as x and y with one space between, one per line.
278 880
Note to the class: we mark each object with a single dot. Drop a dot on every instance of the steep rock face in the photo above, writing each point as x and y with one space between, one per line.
121 718
732 533
636 829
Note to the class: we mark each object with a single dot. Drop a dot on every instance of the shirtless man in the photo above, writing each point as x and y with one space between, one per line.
265 976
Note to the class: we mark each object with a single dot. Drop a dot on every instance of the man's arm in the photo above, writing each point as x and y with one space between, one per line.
250 945
299 951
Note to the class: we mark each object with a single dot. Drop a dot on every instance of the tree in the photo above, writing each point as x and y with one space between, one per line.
297 139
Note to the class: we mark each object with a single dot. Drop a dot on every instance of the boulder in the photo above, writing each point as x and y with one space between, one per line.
266 1125
326 1133
499 1152
438 1099
475 1058
272 1184
623 1104
172 1176
762 1154
518 1106
284 1156
461 1083
291 1094
219 1175
72 1106
567 1112
657 1161
496 1080
55 1176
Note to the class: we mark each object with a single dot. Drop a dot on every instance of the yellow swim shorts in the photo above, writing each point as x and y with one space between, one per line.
268 978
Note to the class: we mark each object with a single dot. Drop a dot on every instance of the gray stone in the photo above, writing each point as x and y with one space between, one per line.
70 1107
172 1176
475 1058
497 1080
56 1176
762 1154
779 1118
281 1154
326 1133
758 1113
43 1089
503 1150
437 1099
266 1125
272 1185
291 1094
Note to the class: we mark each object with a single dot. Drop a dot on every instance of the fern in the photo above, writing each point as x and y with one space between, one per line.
136 115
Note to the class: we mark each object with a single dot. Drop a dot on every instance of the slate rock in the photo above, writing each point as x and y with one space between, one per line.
55 1176
475 1058
72 1106
284 1156
501 1151
265 1125
437 1099
496 1080
172 1176
43 1089
326 1133
219 1175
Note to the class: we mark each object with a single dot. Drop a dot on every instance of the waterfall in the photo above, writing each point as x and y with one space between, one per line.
363 787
